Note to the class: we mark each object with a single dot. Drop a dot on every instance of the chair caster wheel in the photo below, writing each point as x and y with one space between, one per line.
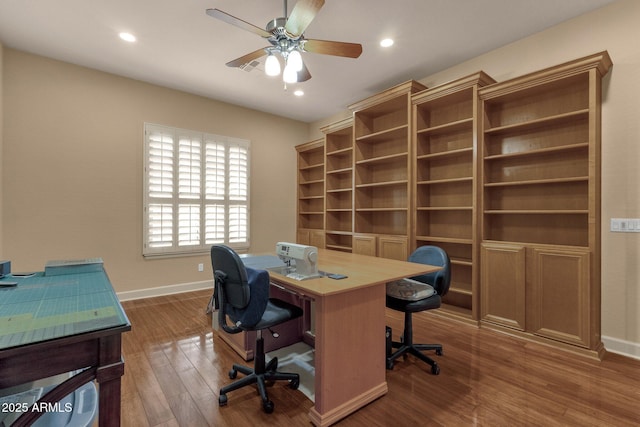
390 364
268 406
439 352
435 369
222 400
233 374
294 384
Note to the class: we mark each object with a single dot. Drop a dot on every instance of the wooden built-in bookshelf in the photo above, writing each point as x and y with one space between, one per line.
505 176
382 128
540 168
445 183
311 202
339 185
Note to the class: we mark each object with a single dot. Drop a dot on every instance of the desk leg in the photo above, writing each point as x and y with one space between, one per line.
108 374
350 345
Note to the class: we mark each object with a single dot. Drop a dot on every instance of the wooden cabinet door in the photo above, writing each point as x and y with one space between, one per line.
364 244
302 236
316 238
393 247
502 284
560 298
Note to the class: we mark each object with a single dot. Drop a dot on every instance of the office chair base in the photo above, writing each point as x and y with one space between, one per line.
260 375
406 348
261 381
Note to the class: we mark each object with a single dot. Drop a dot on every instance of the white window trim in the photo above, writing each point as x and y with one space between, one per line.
201 200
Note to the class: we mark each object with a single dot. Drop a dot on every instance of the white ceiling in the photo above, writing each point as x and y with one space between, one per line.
181 47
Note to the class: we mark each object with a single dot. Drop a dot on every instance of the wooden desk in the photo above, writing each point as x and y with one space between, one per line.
350 327
55 324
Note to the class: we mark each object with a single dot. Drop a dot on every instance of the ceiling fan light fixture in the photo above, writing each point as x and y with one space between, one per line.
286 36
294 60
290 75
272 65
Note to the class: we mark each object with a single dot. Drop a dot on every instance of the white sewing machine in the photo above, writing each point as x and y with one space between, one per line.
305 259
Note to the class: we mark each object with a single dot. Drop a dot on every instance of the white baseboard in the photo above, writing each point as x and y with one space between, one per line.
625 348
165 290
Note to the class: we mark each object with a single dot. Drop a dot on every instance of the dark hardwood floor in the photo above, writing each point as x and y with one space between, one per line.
175 366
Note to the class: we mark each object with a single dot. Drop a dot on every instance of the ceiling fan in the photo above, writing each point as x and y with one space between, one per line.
286 36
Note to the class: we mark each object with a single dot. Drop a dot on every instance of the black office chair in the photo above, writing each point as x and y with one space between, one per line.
408 303
242 294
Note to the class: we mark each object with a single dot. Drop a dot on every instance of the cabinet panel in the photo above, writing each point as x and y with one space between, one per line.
393 247
561 303
503 285
316 238
311 237
364 244
303 236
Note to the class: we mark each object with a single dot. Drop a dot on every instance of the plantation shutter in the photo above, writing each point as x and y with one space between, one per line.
196 191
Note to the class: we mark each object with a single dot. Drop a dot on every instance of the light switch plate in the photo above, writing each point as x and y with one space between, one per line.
625 225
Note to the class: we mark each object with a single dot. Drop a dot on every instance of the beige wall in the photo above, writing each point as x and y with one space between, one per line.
72 163
615 29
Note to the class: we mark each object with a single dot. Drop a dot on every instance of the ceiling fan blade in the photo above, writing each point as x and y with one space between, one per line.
301 16
246 58
230 19
304 74
326 47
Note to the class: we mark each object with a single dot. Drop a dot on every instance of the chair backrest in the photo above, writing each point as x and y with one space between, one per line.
242 292
434 255
226 265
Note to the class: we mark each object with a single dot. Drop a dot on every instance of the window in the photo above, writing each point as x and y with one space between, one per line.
196 191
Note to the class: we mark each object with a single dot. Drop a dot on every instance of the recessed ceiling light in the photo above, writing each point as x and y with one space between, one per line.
298 93
128 37
386 42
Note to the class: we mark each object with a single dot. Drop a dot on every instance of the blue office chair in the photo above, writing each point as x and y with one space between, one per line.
242 295
411 302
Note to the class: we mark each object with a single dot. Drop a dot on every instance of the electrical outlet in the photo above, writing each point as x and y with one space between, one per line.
200 267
